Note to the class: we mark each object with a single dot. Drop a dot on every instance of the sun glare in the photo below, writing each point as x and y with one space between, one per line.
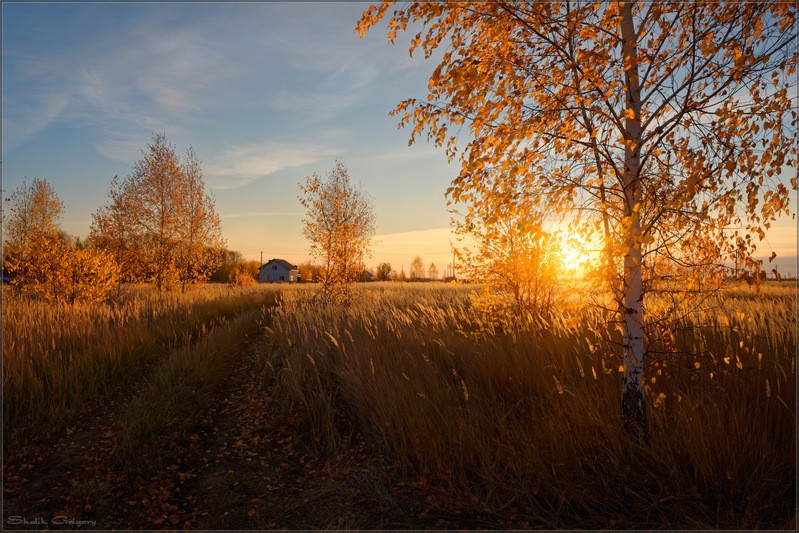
574 259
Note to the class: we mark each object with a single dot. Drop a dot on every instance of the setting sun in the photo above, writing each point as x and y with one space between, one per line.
574 259
575 254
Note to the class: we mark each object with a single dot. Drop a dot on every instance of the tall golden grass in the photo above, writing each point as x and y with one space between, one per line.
180 386
529 419
58 358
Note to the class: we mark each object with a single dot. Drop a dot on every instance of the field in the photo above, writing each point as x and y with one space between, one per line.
257 408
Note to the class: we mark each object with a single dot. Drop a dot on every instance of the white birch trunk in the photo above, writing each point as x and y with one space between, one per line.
633 408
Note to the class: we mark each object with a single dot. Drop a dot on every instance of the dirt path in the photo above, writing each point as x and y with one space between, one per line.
82 480
257 470
244 462
55 484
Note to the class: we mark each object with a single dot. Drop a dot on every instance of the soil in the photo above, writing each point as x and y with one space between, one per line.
246 461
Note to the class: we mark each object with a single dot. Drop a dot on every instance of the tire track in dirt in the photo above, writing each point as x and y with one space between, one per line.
79 480
259 470
245 460
262 469
48 483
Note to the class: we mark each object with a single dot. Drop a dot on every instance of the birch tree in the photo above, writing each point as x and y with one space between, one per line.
159 222
31 220
200 235
417 268
667 128
339 225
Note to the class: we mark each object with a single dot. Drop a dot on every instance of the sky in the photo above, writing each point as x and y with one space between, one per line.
265 93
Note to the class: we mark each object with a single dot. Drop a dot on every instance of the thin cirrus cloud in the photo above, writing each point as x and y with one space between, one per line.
173 69
235 167
242 165
124 151
31 117
128 149
260 214
317 106
110 83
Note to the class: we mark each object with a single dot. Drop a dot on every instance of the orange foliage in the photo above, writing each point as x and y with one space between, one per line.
664 127
159 223
339 225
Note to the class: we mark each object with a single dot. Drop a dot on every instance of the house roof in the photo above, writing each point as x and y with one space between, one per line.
282 262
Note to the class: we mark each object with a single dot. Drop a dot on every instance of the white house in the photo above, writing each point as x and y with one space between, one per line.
277 270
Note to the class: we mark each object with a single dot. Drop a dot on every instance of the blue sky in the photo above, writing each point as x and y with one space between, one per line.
266 93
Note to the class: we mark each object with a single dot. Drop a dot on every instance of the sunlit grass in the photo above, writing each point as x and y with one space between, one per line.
57 358
529 418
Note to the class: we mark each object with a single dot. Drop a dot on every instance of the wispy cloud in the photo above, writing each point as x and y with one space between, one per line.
141 76
400 154
319 106
242 165
433 241
31 117
124 151
175 67
258 214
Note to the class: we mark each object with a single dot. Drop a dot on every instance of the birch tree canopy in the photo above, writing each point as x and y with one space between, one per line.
668 128
159 222
339 224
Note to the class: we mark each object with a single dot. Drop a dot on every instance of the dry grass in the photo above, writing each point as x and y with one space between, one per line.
526 422
180 386
58 358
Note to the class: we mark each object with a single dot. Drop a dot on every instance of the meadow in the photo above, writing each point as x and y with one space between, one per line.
490 425
59 360
525 422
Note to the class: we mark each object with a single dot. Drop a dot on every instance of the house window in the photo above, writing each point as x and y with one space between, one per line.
274 267
282 278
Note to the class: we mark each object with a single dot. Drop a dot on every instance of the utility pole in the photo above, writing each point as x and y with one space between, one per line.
262 258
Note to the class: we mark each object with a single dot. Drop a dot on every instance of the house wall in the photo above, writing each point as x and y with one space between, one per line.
273 272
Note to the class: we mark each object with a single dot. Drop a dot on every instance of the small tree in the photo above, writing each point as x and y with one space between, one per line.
510 253
242 275
383 272
417 268
339 225
310 271
432 271
88 274
31 233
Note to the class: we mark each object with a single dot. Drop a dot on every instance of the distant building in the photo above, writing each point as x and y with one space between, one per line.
278 270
